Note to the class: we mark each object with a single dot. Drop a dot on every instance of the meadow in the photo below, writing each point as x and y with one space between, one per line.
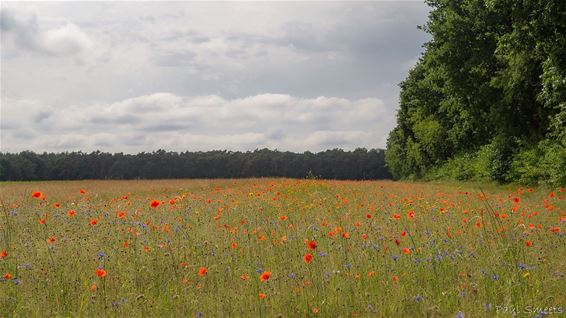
281 248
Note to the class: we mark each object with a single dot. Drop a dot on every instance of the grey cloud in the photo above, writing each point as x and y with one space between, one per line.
24 135
238 75
175 59
351 50
331 138
23 30
27 35
109 119
166 127
190 36
42 115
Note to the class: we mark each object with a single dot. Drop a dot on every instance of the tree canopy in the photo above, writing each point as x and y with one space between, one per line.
360 164
487 98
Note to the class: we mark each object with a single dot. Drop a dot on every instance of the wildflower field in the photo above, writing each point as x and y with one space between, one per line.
281 248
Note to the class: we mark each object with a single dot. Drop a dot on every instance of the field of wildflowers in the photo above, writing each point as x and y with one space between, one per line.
280 248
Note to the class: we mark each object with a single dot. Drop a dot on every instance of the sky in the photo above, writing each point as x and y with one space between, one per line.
197 76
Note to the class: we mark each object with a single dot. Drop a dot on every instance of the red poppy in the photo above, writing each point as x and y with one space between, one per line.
262 295
52 239
82 191
202 271
57 204
8 276
37 194
154 203
264 276
311 245
528 243
396 216
100 272
406 251
71 213
3 254
411 214
307 258
368 216
233 245
172 202
93 222
121 214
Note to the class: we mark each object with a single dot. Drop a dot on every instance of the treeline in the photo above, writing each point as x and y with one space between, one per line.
359 164
487 99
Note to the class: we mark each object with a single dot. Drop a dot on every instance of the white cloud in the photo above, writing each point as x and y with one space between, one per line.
22 33
165 120
64 40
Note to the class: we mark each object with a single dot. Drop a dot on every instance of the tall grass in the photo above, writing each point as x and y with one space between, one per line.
384 249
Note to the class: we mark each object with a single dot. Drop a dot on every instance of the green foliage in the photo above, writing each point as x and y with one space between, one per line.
487 99
490 163
543 163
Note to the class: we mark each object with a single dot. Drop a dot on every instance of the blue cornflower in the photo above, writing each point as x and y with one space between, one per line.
522 266
26 266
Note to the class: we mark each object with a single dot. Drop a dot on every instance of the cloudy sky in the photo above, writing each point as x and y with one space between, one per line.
130 77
